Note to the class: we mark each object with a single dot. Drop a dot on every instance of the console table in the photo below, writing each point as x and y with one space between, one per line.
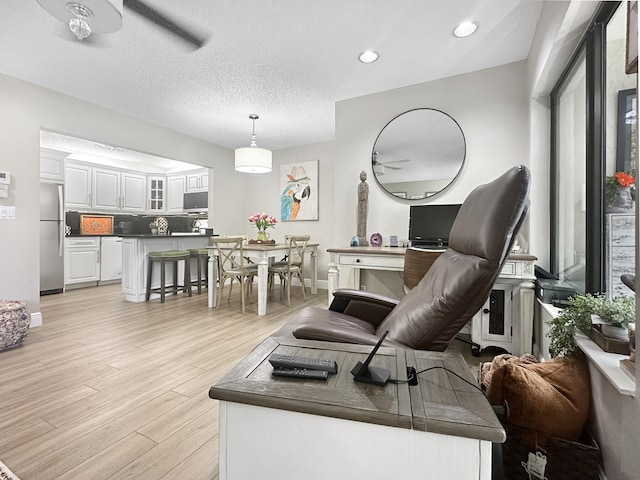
289 428
514 294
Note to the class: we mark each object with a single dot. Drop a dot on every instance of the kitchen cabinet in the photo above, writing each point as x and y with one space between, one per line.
118 190
81 261
77 181
52 165
176 188
110 259
156 194
198 181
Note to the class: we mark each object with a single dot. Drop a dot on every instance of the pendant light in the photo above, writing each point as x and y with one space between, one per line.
252 159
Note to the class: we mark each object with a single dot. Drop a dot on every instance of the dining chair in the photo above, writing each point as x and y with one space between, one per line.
291 267
233 265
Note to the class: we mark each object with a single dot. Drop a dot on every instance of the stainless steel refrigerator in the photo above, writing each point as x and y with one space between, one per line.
51 238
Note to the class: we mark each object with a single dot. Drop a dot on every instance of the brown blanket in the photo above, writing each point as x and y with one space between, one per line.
550 398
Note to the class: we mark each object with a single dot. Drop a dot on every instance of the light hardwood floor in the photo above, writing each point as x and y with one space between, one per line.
108 389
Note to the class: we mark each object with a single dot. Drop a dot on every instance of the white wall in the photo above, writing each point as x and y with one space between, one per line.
265 197
492 110
26 109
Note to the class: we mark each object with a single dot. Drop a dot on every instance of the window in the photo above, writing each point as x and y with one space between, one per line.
584 147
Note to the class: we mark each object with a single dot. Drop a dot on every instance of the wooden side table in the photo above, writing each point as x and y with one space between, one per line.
289 428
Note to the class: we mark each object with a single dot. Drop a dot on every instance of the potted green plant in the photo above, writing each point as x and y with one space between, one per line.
154 227
578 317
617 315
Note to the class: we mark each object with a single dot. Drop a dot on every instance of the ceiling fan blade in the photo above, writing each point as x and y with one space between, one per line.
396 161
163 21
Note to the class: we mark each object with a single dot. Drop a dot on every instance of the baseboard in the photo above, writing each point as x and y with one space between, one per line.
36 320
321 284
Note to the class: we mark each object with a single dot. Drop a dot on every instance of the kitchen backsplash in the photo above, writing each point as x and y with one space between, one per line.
136 224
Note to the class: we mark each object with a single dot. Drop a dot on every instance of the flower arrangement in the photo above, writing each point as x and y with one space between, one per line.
262 221
613 182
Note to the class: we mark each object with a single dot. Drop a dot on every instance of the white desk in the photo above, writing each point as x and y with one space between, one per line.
263 253
517 276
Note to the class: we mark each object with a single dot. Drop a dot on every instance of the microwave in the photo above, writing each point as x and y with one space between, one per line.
196 202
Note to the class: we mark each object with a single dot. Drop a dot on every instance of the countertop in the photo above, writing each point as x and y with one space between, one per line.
144 235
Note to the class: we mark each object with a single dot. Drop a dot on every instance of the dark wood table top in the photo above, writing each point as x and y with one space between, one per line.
440 403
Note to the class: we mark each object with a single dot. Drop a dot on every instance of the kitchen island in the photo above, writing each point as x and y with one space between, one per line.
135 249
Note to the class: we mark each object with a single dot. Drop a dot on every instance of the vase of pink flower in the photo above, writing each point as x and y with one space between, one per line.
262 221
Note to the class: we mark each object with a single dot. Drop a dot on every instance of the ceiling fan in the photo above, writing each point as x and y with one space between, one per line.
379 167
105 16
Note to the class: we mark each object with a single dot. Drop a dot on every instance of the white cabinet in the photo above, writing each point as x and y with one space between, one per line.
77 181
176 188
118 190
198 181
81 260
492 325
156 193
133 192
52 165
110 259
106 189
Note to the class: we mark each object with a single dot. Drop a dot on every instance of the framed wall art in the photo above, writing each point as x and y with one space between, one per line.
299 191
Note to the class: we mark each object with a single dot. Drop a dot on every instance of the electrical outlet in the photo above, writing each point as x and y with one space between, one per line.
7 213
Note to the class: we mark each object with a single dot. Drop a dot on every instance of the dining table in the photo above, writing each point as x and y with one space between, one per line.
265 253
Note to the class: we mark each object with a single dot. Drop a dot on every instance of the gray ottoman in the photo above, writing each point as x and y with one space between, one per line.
14 323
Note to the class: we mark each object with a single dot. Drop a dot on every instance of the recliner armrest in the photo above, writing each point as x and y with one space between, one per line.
371 307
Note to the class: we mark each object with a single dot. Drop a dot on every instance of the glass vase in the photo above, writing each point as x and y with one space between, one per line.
263 236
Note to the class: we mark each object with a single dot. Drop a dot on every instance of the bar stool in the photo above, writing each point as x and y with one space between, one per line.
173 256
202 259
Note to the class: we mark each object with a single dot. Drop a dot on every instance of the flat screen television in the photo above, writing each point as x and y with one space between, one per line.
429 225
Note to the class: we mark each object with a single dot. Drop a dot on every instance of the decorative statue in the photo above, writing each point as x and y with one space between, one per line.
363 209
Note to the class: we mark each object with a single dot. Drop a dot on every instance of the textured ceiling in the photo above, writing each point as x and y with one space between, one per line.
288 61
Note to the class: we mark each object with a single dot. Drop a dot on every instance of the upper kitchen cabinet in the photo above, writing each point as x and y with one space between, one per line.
176 188
198 181
52 165
118 190
156 192
77 181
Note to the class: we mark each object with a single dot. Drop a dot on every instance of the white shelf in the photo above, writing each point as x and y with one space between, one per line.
608 364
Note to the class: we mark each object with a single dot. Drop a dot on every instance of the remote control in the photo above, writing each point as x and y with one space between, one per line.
301 373
291 361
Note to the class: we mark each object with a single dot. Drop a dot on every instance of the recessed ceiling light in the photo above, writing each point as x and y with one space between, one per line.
368 57
465 29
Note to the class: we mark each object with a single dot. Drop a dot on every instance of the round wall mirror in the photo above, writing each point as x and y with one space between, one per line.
418 154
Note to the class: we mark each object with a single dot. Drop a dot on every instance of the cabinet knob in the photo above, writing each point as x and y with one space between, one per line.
486 310
357 260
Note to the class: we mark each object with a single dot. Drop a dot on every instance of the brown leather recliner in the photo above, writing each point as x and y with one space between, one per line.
452 291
